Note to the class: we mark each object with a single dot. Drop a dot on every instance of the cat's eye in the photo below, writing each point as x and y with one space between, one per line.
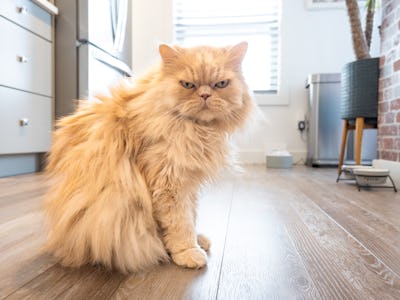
222 84
187 85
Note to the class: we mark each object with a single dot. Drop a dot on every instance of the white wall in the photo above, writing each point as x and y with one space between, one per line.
313 41
152 23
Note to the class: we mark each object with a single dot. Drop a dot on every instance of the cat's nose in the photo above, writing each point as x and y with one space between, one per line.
205 96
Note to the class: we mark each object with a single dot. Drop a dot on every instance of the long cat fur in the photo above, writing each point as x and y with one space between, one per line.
125 170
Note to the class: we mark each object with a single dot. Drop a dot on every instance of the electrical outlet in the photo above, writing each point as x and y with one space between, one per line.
301 125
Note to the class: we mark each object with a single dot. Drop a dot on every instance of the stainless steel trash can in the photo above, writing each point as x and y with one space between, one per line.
325 125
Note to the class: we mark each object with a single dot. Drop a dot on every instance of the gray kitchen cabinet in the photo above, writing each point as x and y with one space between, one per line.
26 85
26 60
28 15
26 126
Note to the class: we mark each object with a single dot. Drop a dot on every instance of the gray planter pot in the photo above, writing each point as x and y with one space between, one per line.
359 89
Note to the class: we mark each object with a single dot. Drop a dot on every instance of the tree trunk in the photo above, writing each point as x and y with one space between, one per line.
369 22
359 43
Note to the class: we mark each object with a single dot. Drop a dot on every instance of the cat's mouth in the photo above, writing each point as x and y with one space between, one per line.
205 106
205 116
209 110
202 111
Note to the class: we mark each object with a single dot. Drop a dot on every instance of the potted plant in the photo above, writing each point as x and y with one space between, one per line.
361 40
360 78
359 83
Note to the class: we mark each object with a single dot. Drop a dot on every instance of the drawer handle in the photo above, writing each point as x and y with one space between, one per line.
22 10
24 122
22 59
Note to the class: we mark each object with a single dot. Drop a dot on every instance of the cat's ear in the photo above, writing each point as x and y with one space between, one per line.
237 54
168 54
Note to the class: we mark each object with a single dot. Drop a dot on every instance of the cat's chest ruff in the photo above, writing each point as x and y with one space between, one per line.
195 146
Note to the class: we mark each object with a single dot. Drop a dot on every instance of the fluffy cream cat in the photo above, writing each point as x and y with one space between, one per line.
125 170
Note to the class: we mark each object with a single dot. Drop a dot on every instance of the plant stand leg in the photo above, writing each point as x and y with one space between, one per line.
342 148
359 136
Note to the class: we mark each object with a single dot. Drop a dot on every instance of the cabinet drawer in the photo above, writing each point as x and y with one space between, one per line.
25 122
27 14
25 60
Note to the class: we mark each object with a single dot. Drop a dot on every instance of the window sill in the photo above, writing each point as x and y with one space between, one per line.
271 99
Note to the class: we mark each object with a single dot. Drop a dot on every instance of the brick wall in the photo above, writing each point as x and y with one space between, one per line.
389 87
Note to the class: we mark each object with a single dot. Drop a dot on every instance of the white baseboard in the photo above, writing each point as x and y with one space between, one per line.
393 166
257 156
299 157
251 156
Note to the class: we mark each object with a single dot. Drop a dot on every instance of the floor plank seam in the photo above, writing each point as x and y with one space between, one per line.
61 294
301 258
354 238
372 213
225 240
338 195
112 294
347 232
28 282
296 248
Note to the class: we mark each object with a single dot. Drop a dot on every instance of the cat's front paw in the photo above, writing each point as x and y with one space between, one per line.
203 242
194 258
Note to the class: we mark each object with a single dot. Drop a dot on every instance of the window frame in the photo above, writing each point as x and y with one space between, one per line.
266 96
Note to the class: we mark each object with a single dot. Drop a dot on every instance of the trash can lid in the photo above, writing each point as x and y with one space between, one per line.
323 78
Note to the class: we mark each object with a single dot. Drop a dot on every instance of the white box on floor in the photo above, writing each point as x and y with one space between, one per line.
279 160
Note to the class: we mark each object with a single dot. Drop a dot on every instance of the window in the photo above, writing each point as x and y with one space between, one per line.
224 22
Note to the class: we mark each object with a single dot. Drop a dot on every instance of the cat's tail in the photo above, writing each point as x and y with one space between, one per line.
113 227
104 234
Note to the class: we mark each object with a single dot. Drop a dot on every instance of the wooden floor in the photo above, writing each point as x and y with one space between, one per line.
277 234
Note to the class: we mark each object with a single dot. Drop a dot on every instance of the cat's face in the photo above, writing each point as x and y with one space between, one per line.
204 83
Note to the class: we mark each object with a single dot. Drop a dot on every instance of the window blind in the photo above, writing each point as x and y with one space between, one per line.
225 22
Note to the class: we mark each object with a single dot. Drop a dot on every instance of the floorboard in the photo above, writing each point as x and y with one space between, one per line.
260 260
276 234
